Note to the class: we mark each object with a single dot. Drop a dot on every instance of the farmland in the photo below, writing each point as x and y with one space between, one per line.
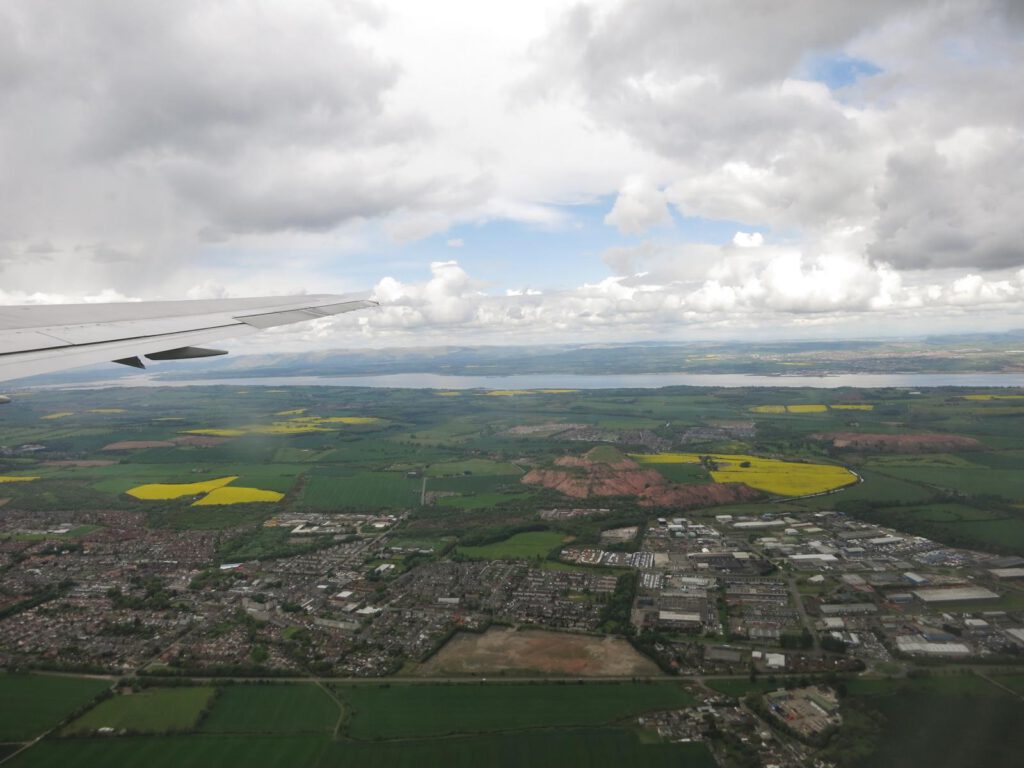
155 710
410 711
33 704
278 709
429 540
785 478
545 749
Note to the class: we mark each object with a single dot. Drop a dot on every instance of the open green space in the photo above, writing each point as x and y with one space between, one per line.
32 704
284 708
521 546
412 711
153 710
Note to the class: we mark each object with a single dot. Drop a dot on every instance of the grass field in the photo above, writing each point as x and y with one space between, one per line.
361 490
272 709
520 546
546 749
954 720
473 467
478 500
155 710
1008 483
31 704
412 711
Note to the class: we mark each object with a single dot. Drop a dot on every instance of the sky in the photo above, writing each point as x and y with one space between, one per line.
538 171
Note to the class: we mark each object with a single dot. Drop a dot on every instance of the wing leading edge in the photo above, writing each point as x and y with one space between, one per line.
48 338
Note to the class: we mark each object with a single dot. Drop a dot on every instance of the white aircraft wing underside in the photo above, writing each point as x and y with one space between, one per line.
48 338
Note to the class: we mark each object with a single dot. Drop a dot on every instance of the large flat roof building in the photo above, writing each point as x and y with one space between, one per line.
954 594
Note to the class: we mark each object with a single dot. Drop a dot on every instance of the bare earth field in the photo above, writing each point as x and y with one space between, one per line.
133 445
539 652
886 443
80 463
581 478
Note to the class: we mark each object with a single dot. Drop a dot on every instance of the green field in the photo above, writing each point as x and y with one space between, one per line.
303 708
682 473
954 721
473 467
479 500
544 749
362 490
32 704
980 481
521 546
155 710
415 711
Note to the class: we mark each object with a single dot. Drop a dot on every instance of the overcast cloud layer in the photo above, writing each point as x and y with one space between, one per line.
865 159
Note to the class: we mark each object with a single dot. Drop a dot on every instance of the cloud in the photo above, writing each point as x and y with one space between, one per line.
922 157
831 295
220 148
748 239
639 207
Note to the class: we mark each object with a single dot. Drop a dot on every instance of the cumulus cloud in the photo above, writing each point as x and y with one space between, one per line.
639 206
748 239
923 157
221 149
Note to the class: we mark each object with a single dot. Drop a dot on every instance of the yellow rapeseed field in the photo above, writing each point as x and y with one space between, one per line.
164 491
233 495
785 478
106 410
811 408
283 428
17 478
346 419
299 425
514 392
993 397
58 415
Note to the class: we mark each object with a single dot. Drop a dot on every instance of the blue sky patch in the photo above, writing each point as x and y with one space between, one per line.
836 70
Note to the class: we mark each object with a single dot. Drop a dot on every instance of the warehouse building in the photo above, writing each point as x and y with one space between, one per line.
954 594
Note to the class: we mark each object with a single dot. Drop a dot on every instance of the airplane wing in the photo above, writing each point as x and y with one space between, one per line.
47 338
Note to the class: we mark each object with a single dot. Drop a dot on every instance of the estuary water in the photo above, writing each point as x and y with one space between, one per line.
576 381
